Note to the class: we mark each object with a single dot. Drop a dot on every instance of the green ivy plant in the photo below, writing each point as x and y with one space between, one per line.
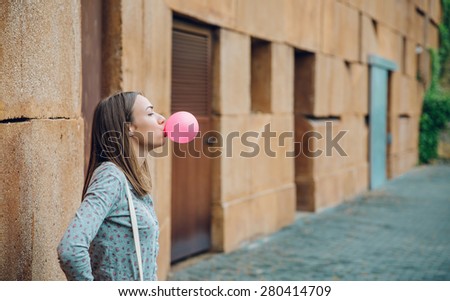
436 104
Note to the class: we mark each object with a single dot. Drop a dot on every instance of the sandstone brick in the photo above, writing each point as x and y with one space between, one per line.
355 140
252 18
369 40
313 161
233 187
339 87
220 13
313 83
359 77
433 36
252 217
401 94
146 51
286 205
421 4
435 11
358 4
263 165
282 79
329 190
232 74
349 182
414 133
284 168
340 30
362 177
303 24
410 59
373 8
349 38
42 184
411 20
41 59
399 16
390 45
330 27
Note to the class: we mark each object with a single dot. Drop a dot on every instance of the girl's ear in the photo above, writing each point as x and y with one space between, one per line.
131 128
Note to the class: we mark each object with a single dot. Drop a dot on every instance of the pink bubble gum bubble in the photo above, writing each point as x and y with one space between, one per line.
181 127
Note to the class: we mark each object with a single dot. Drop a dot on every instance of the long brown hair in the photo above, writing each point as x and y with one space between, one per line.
111 141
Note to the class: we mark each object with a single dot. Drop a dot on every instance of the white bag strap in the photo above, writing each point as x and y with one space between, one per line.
134 225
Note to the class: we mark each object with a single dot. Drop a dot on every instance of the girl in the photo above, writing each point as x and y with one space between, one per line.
98 243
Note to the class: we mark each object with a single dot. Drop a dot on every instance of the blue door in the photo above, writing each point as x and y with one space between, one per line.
379 75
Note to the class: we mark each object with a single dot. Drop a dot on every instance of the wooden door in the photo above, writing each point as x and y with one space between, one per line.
191 169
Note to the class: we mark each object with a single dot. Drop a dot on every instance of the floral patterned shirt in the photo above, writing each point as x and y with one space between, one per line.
98 243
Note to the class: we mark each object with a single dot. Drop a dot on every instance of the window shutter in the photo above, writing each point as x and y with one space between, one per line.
190 72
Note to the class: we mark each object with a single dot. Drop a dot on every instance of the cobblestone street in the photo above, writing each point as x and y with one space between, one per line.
398 232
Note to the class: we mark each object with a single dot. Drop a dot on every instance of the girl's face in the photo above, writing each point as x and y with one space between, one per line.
148 125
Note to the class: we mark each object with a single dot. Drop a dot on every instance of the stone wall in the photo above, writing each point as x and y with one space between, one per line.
41 152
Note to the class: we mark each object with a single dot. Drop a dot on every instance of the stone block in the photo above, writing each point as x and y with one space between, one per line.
252 18
262 157
282 78
303 24
354 142
359 83
147 43
435 11
34 217
314 76
417 106
410 59
338 94
358 4
421 4
349 182
402 95
312 157
329 190
375 9
221 13
390 45
249 218
340 30
362 178
330 27
232 74
412 18
41 59
369 39
283 146
236 224
233 186
350 35
413 138
399 16
261 76
286 205
433 36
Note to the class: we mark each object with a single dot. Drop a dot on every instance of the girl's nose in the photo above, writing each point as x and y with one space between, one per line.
161 119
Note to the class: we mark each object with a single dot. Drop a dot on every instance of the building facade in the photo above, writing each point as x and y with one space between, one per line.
273 83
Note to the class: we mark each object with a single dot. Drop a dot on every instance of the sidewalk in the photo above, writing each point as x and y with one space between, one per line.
398 232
